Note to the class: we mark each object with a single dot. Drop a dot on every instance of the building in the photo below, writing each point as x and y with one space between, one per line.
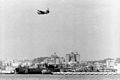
77 57
62 60
73 57
54 59
67 58
117 67
110 63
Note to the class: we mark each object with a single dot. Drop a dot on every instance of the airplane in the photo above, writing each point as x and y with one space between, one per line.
40 12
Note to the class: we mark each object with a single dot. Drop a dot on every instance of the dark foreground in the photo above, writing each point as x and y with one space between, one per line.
57 77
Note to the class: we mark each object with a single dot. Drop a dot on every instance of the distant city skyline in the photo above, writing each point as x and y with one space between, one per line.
89 27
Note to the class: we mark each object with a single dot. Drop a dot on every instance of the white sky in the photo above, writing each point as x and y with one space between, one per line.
90 27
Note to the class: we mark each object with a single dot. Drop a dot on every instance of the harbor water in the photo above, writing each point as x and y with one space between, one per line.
57 77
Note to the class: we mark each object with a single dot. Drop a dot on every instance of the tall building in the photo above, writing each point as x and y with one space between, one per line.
67 58
62 60
72 57
77 57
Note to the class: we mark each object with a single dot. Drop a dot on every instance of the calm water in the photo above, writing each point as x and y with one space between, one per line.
57 77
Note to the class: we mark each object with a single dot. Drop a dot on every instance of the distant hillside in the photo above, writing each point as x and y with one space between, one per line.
39 59
101 61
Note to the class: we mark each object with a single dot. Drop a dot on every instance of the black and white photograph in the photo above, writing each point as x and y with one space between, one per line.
59 39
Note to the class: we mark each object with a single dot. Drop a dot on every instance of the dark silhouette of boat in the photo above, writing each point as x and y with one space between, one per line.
40 69
47 69
27 70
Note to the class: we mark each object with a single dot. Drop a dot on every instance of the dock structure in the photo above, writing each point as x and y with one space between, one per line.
86 73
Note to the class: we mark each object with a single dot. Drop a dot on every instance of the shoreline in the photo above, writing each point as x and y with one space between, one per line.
85 73
66 73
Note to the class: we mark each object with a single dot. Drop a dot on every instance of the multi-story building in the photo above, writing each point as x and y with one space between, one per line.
54 59
62 60
110 63
117 67
67 58
72 57
77 57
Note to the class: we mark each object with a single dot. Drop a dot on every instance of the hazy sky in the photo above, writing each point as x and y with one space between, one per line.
90 27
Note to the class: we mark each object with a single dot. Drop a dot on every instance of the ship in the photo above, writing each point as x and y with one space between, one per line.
26 70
